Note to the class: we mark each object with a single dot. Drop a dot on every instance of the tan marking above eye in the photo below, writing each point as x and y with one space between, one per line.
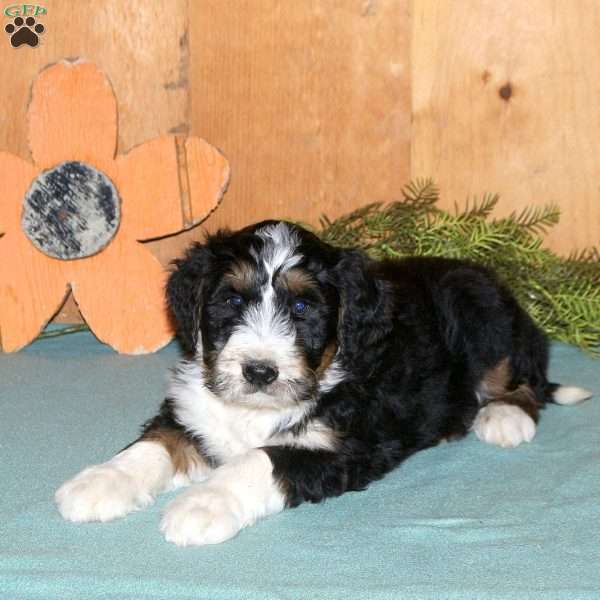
240 276
298 281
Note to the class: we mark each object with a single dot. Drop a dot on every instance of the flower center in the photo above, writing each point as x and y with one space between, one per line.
71 211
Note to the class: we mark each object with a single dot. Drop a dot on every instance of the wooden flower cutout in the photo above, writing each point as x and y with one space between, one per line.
75 217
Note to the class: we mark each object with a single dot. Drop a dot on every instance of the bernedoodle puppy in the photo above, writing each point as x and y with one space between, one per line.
310 371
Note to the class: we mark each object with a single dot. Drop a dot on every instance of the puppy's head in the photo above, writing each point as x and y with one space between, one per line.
259 309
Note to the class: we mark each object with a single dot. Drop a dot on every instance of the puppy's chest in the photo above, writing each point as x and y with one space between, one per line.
227 430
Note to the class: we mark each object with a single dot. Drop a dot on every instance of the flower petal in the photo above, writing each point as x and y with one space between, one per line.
72 116
167 185
120 293
147 179
16 176
32 289
208 176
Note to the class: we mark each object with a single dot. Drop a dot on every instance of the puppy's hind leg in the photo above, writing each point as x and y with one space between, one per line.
506 418
504 424
160 460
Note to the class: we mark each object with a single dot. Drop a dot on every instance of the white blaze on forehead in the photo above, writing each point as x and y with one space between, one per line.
267 332
279 250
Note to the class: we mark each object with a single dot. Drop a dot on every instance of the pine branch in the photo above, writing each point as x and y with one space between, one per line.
537 218
420 192
561 294
473 209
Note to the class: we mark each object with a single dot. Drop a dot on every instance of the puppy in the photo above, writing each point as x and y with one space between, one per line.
311 371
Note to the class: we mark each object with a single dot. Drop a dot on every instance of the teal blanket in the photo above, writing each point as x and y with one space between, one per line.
462 520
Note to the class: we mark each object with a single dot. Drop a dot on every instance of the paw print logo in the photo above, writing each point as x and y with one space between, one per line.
24 32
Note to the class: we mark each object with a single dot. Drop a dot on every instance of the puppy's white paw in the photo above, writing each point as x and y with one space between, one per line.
100 493
200 516
504 425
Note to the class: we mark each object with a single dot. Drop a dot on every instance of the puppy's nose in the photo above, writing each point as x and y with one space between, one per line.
259 373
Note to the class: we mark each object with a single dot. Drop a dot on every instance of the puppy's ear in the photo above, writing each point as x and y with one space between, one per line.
362 324
185 290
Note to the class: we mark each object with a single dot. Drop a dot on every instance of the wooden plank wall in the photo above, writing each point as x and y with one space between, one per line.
324 105
309 100
505 98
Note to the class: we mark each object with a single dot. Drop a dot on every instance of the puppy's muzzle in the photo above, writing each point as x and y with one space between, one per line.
259 373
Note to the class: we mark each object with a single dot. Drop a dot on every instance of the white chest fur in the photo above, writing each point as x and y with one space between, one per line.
227 430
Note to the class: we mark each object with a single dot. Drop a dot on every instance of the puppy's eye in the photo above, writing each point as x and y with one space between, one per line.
300 307
235 300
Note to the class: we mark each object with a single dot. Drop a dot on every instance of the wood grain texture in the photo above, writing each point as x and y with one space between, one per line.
119 285
32 281
28 296
505 99
312 101
309 101
141 46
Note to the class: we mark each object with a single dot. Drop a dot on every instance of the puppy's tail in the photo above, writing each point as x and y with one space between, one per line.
567 395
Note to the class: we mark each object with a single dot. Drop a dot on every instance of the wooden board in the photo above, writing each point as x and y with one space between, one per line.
142 47
310 101
85 210
505 99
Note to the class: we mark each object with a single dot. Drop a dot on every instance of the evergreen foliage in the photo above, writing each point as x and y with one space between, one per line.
561 294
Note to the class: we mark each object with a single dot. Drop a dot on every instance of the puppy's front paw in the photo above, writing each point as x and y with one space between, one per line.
200 516
100 493
504 425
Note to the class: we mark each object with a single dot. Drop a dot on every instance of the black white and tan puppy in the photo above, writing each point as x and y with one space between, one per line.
311 371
